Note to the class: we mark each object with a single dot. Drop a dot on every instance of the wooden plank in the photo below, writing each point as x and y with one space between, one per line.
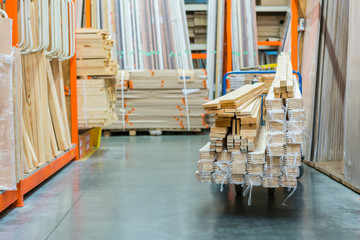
234 96
55 111
310 59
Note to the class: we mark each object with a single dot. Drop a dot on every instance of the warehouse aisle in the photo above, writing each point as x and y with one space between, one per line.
144 188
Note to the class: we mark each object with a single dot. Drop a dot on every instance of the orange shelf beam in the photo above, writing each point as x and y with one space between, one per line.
16 198
294 34
269 43
73 104
7 198
11 10
34 179
198 55
88 13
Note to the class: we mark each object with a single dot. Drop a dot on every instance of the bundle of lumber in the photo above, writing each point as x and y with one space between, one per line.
283 83
96 102
93 53
285 126
160 99
97 76
222 170
251 155
205 164
270 27
197 26
237 118
234 136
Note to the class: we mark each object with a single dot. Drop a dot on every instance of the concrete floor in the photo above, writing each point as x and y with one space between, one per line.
144 188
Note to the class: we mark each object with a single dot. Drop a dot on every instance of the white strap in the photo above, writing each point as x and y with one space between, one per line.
122 99
186 102
84 91
249 189
292 193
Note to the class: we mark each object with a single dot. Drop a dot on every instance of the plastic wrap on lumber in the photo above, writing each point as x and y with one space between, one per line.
7 133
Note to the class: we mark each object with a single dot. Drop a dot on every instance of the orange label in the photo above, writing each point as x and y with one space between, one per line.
204 83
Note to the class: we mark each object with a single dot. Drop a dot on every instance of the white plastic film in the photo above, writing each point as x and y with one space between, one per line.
7 131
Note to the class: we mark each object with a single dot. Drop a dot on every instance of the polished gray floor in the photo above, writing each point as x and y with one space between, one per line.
144 188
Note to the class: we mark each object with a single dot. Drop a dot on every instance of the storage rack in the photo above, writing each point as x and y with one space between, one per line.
227 60
227 63
16 198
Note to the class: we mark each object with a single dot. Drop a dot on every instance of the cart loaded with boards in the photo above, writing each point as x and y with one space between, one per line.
258 135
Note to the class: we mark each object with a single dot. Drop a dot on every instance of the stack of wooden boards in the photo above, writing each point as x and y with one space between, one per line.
234 134
241 151
160 99
197 26
284 125
97 74
45 126
283 84
93 53
270 28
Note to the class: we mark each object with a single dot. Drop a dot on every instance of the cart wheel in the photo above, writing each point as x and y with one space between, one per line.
301 169
271 192
238 190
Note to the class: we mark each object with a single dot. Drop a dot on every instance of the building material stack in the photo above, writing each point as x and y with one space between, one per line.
222 170
97 75
160 99
255 155
234 134
197 25
285 123
270 28
205 164
226 109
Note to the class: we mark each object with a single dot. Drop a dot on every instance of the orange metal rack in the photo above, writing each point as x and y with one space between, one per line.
16 198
